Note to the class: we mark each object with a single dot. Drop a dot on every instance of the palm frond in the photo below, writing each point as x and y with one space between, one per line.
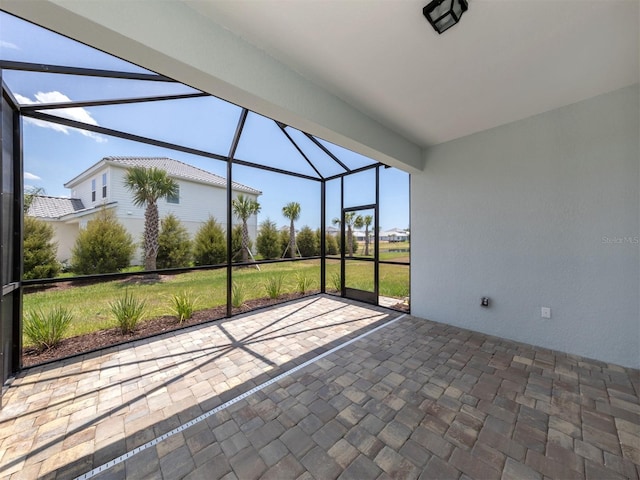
149 184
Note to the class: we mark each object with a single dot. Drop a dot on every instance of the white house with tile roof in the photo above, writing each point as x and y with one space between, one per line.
201 194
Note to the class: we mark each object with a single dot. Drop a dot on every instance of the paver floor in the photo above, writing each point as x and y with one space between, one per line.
413 399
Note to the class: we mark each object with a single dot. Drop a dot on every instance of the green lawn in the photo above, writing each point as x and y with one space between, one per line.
90 303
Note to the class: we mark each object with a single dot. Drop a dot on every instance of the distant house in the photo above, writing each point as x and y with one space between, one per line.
394 235
359 235
332 231
201 194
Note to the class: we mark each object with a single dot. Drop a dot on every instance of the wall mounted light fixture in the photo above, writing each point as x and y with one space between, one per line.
444 14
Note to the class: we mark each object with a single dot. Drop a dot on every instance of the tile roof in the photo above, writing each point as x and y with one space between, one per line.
179 169
44 206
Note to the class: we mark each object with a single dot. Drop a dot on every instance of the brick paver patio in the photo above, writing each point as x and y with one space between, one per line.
414 399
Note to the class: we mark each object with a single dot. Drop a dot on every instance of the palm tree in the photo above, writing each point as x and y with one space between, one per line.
292 211
367 220
148 185
351 220
243 207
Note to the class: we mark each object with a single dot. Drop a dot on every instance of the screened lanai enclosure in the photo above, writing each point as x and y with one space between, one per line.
320 219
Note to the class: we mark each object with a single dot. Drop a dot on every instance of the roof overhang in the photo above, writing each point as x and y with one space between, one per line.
75 216
373 78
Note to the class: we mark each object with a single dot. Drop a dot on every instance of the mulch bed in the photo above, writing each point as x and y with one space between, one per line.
113 336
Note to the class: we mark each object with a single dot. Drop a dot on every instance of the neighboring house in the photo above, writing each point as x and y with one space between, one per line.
332 231
394 235
359 235
201 194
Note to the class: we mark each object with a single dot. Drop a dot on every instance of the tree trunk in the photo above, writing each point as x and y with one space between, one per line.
245 242
366 240
349 241
292 240
151 236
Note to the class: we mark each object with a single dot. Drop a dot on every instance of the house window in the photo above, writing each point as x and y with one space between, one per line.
174 198
104 185
93 190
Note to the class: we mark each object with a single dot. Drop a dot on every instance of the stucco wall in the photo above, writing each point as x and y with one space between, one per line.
64 235
540 212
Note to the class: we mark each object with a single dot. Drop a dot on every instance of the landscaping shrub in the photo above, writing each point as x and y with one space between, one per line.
307 242
104 246
331 245
273 286
336 281
237 295
354 242
174 244
284 243
183 305
268 241
39 250
46 329
128 311
303 282
210 244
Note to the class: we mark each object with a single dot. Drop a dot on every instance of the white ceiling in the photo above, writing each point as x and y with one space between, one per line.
506 60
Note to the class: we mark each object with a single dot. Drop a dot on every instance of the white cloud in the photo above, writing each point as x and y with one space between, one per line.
12 46
76 113
31 176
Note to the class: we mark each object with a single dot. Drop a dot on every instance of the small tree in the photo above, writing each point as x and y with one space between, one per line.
174 245
292 211
367 220
243 207
268 241
39 250
307 242
104 246
210 244
148 185
351 221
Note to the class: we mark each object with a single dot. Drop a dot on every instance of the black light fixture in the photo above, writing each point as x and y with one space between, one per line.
444 14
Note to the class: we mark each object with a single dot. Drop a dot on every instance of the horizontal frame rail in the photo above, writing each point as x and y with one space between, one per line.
87 72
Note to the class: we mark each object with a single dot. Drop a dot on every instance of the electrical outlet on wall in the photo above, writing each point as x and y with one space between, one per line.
545 312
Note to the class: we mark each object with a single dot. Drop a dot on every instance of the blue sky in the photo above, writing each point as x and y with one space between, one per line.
54 154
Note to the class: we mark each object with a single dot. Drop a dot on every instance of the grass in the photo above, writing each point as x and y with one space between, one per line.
386 251
90 304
